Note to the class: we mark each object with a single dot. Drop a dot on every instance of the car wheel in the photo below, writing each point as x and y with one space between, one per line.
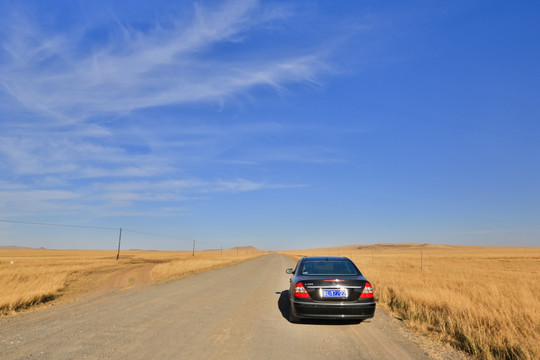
292 318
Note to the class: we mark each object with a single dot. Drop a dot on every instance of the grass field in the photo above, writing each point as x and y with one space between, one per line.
482 300
30 277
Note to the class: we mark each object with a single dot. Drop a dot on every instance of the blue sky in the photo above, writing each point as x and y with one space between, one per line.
276 124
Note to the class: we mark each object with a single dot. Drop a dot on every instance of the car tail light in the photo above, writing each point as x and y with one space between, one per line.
300 291
367 292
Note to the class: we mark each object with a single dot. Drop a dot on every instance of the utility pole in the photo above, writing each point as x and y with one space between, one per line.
119 240
193 248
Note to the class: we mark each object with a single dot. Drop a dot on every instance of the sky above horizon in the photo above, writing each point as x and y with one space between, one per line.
277 124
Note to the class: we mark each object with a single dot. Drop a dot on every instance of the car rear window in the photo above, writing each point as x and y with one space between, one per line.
328 268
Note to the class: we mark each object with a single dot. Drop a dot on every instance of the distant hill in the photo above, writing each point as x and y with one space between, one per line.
245 249
401 246
13 247
382 247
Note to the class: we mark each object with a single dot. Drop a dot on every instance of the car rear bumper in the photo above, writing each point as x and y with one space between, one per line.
340 310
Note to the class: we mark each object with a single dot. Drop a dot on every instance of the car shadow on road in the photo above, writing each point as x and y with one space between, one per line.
284 306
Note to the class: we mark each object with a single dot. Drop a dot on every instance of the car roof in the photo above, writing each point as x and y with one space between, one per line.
325 258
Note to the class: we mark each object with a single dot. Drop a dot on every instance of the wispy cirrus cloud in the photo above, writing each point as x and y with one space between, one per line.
25 200
59 75
150 197
74 134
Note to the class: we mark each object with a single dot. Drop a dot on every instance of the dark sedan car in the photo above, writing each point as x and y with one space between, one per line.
329 288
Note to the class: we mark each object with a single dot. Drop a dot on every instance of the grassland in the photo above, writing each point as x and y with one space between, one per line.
482 300
31 277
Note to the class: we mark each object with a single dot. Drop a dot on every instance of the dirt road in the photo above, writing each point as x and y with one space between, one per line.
231 313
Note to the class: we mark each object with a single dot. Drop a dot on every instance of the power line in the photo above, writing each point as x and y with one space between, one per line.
158 235
170 237
106 228
59 225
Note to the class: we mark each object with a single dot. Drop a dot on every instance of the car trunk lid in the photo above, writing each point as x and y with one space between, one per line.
339 289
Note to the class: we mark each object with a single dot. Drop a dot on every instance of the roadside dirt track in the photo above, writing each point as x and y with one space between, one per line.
236 312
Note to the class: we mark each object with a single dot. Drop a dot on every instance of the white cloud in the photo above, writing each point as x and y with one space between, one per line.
25 201
107 198
183 188
50 74
70 149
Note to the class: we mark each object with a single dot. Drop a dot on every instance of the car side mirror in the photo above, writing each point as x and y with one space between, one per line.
289 271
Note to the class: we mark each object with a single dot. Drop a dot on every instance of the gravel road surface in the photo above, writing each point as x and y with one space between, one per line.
236 312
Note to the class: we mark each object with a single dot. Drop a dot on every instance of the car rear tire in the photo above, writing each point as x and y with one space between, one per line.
292 318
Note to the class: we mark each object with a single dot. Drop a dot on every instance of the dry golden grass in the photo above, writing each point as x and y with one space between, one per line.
482 300
192 265
39 276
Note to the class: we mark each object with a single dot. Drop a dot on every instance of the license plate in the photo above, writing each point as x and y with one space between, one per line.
334 293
